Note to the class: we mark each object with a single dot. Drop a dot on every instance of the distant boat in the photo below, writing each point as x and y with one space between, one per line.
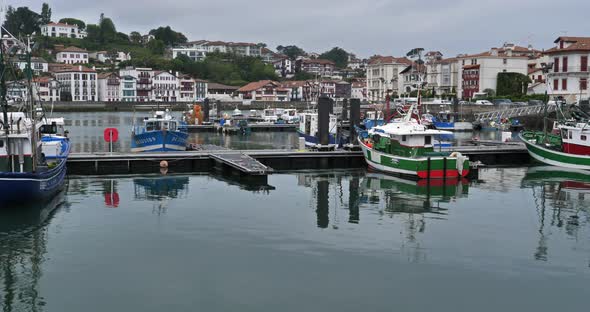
309 129
290 116
237 113
160 133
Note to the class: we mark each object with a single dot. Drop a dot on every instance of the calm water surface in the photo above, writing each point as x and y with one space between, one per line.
517 240
86 132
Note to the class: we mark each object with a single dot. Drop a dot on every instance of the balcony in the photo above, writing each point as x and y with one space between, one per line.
113 82
144 87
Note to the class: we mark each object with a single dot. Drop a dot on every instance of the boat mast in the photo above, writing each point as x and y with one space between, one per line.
3 91
33 112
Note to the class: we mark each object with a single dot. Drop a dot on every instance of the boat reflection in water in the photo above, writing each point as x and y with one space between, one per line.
23 245
368 189
410 196
159 188
562 200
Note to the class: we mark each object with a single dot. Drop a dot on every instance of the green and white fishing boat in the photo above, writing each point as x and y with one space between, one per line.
405 147
569 149
568 145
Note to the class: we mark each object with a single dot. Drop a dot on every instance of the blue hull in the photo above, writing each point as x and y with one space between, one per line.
371 123
444 125
26 187
159 141
313 141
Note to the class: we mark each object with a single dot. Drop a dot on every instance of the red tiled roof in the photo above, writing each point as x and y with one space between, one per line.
72 49
577 44
318 61
42 79
389 60
252 86
219 86
106 75
75 68
294 83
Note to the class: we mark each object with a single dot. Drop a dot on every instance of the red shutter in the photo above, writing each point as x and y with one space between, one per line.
564 84
561 44
556 65
555 84
584 63
583 84
564 65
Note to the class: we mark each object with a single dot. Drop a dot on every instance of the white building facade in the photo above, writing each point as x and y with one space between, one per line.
62 30
570 75
383 76
79 82
109 87
166 87
72 55
46 89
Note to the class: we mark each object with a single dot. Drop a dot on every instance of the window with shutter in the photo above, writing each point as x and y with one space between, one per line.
584 63
564 84
555 84
564 65
556 65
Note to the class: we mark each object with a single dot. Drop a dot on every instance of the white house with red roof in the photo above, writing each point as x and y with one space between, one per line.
46 89
166 87
570 74
72 55
265 90
63 30
109 87
383 76
479 72
79 82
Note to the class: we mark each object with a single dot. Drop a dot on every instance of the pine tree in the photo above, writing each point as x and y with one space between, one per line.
45 14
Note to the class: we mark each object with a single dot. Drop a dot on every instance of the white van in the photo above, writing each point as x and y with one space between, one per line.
483 102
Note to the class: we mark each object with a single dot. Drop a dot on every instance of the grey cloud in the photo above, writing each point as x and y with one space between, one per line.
363 27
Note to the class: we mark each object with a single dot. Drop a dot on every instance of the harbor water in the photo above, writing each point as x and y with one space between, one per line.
518 239
86 132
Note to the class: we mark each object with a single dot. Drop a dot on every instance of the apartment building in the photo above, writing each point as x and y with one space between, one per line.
570 74
78 82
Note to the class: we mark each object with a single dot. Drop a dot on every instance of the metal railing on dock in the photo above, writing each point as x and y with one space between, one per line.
514 112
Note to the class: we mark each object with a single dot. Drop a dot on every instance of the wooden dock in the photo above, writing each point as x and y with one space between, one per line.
254 127
260 163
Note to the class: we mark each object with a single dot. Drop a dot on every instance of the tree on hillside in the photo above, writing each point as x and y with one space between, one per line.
291 51
336 55
22 21
45 14
156 46
73 21
107 29
135 37
168 36
92 33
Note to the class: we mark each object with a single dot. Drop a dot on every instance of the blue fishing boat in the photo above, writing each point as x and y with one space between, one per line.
25 173
160 133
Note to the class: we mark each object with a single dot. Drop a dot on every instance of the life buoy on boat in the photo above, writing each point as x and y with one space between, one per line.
455 154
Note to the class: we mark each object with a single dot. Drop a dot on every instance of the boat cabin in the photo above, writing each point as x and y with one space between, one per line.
575 139
160 121
309 124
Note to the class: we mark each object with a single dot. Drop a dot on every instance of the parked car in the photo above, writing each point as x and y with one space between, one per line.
483 102
520 103
536 102
465 103
502 102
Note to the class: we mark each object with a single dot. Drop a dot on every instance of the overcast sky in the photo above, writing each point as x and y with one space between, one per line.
386 27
